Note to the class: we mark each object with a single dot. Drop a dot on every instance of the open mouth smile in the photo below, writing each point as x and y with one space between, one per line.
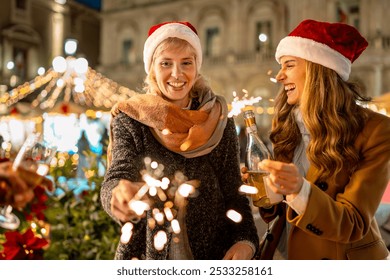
176 84
289 88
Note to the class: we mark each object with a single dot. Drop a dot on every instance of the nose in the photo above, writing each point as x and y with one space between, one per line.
280 76
176 71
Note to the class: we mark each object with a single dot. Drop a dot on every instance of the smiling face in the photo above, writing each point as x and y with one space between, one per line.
292 75
174 67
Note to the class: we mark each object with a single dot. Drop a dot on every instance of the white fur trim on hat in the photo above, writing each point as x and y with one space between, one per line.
315 52
178 30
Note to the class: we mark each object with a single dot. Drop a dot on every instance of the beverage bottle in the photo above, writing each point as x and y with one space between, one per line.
256 151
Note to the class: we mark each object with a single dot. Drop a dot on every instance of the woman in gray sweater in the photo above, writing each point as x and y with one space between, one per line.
181 124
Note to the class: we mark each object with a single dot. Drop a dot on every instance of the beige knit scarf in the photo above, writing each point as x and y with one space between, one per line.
191 133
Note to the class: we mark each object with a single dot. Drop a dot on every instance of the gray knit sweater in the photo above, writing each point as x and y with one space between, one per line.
210 232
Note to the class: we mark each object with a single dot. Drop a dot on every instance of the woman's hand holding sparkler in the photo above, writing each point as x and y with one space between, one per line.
122 195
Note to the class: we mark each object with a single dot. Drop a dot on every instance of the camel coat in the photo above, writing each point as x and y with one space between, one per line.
339 220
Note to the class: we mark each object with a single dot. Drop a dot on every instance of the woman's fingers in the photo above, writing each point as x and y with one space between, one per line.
124 193
284 177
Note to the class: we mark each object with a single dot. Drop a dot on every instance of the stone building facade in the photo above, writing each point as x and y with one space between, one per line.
234 57
33 32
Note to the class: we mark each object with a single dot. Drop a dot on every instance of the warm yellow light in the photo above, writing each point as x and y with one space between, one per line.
234 216
160 239
59 64
70 46
41 71
81 66
248 189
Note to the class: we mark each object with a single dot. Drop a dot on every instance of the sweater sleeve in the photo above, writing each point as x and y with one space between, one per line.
125 158
230 180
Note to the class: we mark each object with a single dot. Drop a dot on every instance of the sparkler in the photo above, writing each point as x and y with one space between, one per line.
239 103
164 197
234 215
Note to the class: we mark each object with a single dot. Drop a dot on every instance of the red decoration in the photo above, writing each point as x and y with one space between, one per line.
65 108
37 206
186 23
14 111
24 246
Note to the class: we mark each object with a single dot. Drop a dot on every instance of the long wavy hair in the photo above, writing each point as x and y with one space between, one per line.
330 114
150 83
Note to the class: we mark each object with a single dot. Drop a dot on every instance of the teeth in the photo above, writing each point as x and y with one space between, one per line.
177 84
289 87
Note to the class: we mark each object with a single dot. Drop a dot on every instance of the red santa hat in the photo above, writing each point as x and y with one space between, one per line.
333 45
179 29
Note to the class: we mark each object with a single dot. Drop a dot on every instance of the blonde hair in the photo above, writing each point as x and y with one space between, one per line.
150 82
330 114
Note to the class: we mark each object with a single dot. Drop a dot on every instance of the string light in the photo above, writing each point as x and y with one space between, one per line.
71 79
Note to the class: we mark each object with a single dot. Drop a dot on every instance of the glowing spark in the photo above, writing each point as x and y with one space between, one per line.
150 181
168 204
152 191
159 217
185 190
141 192
234 216
175 226
156 190
138 206
248 189
168 213
165 183
161 195
160 239
239 104
147 161
151 223
127 232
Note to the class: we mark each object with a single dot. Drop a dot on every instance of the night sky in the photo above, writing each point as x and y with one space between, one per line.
94 4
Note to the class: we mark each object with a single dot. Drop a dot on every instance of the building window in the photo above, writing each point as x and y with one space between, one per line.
128 52
20 59
263 36
21 4
348 11
213 42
